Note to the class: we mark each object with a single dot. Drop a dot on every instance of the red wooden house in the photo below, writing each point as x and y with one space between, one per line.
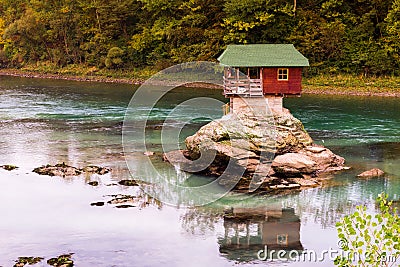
271 71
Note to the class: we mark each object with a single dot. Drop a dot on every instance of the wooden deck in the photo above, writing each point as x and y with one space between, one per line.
243 87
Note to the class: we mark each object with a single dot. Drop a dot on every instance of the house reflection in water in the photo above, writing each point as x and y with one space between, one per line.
248 230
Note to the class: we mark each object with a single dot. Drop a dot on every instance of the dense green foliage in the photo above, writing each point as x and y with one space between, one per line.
338 36
370 240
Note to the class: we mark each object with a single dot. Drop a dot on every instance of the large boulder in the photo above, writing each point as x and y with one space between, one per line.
310 160
326 160
293 164
265 150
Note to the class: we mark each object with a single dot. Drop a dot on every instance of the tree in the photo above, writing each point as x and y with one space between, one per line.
179 31
393 34
370 240
321 40
114 58
105 24
257 21
27 34
2 28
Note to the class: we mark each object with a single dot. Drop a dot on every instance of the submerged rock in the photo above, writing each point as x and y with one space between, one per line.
264 150
64 170
119 201
139 200
61 169
9 167
122 199
22 261
96 169
93 183
375 172
124 206
97 204
62 261
128 183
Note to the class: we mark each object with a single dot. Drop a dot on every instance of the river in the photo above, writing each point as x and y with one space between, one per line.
79 123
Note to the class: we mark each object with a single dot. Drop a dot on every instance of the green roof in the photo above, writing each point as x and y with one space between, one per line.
262 55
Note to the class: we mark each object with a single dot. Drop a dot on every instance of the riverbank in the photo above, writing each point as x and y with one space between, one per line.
89 77
352 85
322 84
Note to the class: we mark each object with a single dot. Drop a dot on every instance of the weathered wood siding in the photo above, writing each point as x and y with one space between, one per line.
271 84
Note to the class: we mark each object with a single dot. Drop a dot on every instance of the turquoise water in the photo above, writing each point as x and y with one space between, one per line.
345 120
51 121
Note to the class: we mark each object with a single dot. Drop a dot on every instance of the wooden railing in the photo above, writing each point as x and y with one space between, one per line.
243 87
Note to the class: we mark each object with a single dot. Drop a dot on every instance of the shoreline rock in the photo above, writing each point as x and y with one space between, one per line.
262 153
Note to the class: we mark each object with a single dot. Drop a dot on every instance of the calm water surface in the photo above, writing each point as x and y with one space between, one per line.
48 121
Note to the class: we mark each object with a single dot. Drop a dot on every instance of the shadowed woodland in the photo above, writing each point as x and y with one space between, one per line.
337 36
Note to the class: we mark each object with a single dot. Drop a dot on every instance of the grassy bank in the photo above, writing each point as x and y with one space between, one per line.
352 85
337 84
81 73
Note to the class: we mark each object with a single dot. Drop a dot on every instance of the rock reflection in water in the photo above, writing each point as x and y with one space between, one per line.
248 230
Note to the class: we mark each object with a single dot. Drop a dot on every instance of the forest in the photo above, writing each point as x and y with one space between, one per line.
337 36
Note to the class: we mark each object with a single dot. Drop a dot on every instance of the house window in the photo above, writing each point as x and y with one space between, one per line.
283 74
253 73
282 239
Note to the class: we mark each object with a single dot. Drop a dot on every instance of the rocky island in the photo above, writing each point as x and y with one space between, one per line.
257 152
